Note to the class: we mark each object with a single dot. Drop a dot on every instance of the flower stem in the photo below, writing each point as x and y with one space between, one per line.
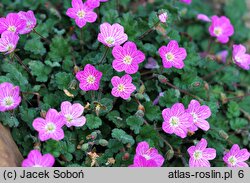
21 62
81 39
182 91
34 93
104 55
214 72
45 39
148 31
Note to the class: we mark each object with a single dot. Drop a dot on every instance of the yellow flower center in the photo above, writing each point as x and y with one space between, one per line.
110 40
127 60
170 56
69 117
81 14
12 28
91 79
121 87
197 155
8 101
232 160
217 31
174 121
50 128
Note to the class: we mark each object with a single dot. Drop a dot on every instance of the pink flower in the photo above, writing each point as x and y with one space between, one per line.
127 58
203 18
122 87
89 78
240 57
199 154
176 120
236 157
221 28
36 159
163 17
112 35
12 23
73 114
8 42
186 1
200 114
30 20
172 55
81 13
147 157
94 3
222 56
9 96
51 127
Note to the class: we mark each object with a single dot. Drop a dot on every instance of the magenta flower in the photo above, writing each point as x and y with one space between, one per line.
30 20
236 157
200 114
147 157
186 1
199 154
9 96
203 18
36 159
8 42
163 17
12 23
221 28
127 58
50 127
222 56
172 55
73 114
240 57
176 120
81 13
112 35
94 3
89 78
122 87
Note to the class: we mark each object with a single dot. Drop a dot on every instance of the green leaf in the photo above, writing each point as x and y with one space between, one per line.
7 119
35 46
152 112
40 70
135 123
233 110
122 136
114 116
59 49
28 115
93 122
238 123
63 80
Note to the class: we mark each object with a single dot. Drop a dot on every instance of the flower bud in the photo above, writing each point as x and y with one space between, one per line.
85 147
43 114
170 154
76 69
223 134
139 113
126 156
162 79
142 89
93 135
103 142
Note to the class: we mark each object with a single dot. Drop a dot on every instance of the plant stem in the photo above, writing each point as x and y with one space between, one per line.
34 93
183 91
148 31
104 55
21 62
214 72
159 135
45 39
239 97
81 39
